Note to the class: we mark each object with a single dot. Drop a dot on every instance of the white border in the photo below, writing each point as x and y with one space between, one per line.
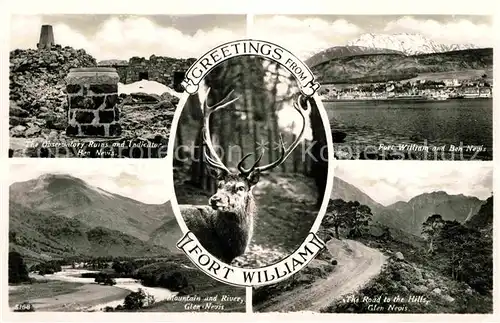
313 7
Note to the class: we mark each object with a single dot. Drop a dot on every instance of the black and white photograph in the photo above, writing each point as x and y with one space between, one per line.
103 86
101 237
250 162
398 244
260 161
398 87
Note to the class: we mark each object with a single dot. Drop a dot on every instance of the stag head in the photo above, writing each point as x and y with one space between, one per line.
235 188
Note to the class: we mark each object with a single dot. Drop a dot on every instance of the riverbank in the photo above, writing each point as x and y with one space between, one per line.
61 296
68 291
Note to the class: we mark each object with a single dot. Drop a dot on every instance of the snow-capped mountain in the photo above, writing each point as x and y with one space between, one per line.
410 44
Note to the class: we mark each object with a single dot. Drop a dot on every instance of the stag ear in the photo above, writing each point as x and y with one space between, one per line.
253 177
215 172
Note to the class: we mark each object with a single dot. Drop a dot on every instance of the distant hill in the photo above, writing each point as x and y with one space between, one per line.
168 234
60 215
409 216
39 235
71 197
347 51
381 65
407 43
483 219
414 212
347 192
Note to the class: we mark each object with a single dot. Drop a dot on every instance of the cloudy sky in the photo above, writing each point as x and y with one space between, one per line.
143 181
306 35
388 183
124 36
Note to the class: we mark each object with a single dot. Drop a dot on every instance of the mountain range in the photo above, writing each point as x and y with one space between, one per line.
380 58
407 43
409 216
60 215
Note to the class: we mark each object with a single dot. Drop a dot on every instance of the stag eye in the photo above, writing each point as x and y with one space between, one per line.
240 188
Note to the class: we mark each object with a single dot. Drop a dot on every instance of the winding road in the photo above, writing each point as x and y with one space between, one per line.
357 265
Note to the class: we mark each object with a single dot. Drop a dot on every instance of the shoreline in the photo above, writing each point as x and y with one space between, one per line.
403 100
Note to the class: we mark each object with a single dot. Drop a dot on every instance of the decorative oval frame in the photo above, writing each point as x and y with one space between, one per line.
312 244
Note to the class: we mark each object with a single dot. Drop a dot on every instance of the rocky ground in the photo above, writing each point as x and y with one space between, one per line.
411 287
38 111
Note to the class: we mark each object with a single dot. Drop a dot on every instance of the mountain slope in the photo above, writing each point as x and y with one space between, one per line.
409 216
347 192
410 44
347 51
377 67
483 219
451 207
70 197
41 235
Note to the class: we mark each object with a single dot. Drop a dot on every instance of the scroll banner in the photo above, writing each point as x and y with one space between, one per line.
255 276
302 73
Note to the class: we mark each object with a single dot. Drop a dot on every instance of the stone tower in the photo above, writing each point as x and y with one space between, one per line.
46 37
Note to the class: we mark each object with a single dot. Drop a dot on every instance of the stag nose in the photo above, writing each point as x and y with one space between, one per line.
214 200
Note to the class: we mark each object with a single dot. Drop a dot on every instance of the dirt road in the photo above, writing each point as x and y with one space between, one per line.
357 265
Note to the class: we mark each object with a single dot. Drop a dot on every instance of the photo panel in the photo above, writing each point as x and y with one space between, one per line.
398 244
398 87
250 161
305 164
101 237
103 86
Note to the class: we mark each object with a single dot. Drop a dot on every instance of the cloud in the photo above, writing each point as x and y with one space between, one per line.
122 38
307 36
388 183
461 31
303 37
145 182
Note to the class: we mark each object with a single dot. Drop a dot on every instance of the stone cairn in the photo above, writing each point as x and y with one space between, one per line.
92 99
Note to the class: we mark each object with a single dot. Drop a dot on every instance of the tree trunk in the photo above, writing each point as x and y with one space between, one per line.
337 232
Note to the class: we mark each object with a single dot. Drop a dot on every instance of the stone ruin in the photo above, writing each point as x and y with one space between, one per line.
92 99
46 37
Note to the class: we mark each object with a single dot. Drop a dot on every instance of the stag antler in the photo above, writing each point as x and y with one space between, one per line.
284 152
213 160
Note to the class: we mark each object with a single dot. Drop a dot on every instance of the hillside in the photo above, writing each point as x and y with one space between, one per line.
483 219
72 198
335 67
347 51
409 216
41 235
418 209
347 192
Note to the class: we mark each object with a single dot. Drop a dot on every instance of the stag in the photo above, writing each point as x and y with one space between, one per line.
224 227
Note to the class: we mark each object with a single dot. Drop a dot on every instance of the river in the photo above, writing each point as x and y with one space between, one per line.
451 122
74 275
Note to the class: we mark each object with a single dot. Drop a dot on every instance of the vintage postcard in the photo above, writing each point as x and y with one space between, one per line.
249 166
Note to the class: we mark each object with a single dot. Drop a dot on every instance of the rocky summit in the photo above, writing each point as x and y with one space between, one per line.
38 102
39 109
